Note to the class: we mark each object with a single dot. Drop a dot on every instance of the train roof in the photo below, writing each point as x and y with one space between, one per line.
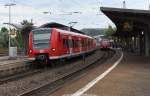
72 33
66 31
60 26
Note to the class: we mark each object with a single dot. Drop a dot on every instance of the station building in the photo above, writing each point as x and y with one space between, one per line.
133 28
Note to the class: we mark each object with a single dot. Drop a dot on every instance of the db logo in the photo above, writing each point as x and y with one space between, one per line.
41 51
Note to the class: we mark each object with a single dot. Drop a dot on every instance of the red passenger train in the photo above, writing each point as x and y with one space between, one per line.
47 44
105 44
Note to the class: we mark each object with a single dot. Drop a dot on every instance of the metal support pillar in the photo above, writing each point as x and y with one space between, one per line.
147 40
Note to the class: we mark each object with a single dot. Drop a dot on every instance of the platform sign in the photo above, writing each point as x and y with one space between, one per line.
13 33
127 26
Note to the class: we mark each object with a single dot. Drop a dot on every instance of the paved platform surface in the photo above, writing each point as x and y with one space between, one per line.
6 60
2 58
9 66
130 78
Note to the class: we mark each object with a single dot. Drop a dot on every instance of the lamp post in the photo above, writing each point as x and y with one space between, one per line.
9 5
124 4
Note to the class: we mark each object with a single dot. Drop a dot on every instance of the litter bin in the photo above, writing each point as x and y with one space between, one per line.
13 52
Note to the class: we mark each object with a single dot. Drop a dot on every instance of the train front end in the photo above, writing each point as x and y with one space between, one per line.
39 45
105 44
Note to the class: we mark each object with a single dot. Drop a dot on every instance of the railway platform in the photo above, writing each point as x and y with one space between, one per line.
5 60
11 66
129 78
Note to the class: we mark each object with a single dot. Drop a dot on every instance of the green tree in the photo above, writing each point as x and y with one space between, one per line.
27 27
4 37
109 31
22 36
26 23
19 39
4 29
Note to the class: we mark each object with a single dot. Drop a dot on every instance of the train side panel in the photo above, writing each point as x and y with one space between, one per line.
62 44
30 50
55 44
105 44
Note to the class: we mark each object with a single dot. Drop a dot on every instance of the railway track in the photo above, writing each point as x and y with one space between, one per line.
19 75
24 73
52 86
33 82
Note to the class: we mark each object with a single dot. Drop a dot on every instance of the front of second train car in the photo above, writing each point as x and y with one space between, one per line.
39 44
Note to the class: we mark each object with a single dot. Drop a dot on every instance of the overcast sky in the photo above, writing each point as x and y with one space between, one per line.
89 17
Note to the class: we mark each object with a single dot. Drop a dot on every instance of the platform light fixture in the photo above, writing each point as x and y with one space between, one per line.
142 33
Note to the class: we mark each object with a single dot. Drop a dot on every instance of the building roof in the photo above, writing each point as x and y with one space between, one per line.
124 10
129 22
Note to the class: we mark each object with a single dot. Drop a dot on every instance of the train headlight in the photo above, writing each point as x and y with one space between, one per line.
30 51
53 49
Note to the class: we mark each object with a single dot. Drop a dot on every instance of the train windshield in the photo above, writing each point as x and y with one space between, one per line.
41 38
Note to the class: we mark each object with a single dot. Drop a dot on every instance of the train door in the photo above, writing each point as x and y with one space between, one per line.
75 47
65 44
70 45
80 45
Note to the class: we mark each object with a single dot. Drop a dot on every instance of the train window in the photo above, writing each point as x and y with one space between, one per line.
65 43
73 43
70 43
41 38
89 43
79 43
85 44
82 43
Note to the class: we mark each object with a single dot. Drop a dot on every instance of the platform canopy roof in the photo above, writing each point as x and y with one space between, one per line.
18 26
47 25
129 22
